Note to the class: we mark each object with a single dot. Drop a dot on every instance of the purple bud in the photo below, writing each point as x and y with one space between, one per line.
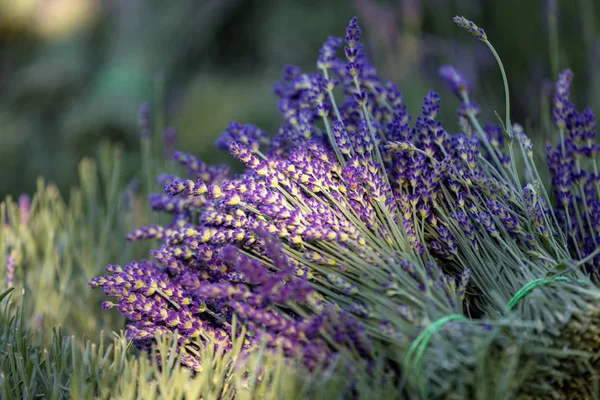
24 205
144 120
470 27
11 265
454 80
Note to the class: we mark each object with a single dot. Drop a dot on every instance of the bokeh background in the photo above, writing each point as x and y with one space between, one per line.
74 72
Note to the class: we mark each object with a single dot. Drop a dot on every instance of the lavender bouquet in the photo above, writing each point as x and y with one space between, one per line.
358 234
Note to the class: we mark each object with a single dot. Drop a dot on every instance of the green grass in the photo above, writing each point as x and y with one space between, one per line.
113 369
64 244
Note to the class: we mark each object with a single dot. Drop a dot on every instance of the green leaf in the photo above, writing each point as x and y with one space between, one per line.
6 293
505 133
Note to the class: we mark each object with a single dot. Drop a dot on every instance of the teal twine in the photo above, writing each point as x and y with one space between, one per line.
420 344
532 285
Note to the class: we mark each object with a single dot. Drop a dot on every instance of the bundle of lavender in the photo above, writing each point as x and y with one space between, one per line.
356 233
526 255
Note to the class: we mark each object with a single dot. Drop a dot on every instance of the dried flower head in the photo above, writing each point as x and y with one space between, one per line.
471 27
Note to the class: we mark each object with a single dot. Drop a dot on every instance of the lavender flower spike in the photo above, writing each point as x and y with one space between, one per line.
24 208
471 27
144 120
11 265
562 107
455 80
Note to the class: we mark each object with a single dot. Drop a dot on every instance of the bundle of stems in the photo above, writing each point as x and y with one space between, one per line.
525 260
353 232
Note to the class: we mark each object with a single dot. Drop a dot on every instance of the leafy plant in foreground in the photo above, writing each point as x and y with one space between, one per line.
50 246
109 369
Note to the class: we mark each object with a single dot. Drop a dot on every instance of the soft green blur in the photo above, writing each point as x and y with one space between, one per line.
75 71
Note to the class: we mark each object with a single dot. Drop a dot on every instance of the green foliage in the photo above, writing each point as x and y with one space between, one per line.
60 245
111 369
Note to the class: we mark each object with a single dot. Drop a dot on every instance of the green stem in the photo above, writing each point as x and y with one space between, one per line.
336 149
483 137
506 93
337 113
553 40
508 125
547 198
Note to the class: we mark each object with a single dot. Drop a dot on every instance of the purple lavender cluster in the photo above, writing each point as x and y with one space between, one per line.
575 175
195 288
329 211
471 27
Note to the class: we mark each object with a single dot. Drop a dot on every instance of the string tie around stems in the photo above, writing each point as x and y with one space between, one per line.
534 284
420 344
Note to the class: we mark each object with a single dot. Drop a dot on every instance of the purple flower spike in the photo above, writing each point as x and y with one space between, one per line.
562 107
328 52
471 28
353 49
144 120
454 80
11 265
24 206
353 35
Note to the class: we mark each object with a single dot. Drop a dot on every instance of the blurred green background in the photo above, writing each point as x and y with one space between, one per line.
73 72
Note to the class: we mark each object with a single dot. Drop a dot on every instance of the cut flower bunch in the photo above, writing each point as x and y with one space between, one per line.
364 233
